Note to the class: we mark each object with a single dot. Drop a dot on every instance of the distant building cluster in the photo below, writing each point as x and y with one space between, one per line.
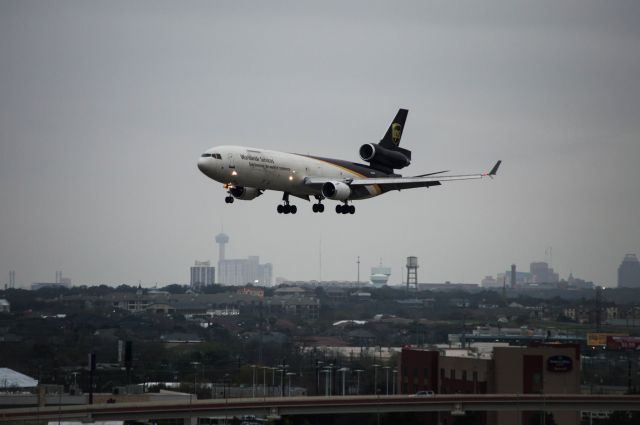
60 281
540 275
241 271
629 272
202 306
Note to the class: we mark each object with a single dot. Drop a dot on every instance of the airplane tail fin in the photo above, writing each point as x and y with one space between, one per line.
391 139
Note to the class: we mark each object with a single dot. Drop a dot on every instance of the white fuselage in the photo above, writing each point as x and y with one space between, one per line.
273 170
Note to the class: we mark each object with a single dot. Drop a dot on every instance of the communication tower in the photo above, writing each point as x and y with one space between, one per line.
221 239
412 273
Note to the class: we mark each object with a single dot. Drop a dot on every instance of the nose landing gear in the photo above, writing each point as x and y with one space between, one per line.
286 208
229 199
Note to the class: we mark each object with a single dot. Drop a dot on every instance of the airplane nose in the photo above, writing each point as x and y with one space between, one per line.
202 165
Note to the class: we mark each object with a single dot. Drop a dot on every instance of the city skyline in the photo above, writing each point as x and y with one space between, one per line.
105 109
492 280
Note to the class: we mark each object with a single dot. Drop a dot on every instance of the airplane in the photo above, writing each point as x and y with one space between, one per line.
247 172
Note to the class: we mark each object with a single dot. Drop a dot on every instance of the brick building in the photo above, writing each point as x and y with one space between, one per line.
543 369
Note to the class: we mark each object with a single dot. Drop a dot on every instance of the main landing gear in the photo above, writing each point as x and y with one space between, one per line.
286 208
345 209
319 207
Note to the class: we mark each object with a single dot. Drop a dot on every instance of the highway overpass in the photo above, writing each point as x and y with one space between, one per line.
284 406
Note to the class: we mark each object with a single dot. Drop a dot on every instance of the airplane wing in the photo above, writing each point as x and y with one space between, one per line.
399 183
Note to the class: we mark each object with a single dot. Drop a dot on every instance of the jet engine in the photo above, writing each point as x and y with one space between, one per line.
376 154
245 193
337 191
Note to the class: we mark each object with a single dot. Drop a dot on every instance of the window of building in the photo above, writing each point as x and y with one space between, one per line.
475 376
464 375
452 374
442 373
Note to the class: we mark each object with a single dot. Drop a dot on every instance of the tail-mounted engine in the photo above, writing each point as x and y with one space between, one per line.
385 159
387 155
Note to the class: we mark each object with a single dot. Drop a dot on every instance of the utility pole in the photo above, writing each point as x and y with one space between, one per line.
598 312
92 370
358 262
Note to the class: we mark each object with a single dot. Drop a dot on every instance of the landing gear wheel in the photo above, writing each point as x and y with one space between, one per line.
229 199
294 209
352 209
287 208
314 208
280 209
338 209
320 208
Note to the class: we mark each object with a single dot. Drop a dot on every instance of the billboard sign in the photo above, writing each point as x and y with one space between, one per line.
623 343
559 364
595 339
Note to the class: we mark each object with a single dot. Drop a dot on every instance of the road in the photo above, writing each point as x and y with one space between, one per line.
284 406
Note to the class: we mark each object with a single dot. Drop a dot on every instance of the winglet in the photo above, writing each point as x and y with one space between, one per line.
494 170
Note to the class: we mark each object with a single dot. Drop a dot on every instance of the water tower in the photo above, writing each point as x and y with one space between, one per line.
412 273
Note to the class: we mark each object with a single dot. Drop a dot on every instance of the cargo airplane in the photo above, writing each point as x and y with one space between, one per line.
247 172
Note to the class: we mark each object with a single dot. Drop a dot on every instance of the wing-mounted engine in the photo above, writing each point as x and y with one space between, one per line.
245 193
385 159
338 191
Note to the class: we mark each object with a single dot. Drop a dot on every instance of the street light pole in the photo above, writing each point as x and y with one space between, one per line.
273 379
326 381
253 386
318 364
289 375
264 381
195 380
395 377
343 370
375 378
387 378
358 372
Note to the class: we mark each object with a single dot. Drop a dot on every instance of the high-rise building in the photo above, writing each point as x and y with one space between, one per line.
202 274
629 272
542 273
490 282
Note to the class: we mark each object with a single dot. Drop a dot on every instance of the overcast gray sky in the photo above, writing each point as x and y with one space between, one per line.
106 106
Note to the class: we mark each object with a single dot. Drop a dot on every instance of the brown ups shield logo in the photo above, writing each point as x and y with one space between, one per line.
396 132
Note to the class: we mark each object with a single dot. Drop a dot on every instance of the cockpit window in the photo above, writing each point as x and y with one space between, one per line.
204 155
216 155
